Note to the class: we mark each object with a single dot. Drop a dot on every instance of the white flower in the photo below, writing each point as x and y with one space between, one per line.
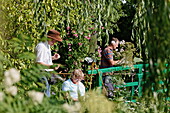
11 90
8 81
123 1
11 76
121 50
36 97
1 96
122 42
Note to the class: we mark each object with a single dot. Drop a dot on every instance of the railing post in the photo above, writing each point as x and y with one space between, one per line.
132 92
99 80
140 76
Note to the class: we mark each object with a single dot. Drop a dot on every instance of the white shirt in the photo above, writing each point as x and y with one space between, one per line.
43 53
74 88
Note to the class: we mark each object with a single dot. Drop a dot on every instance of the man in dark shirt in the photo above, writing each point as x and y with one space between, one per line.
107 54
106 62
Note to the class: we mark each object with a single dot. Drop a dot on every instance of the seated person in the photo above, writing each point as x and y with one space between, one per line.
74 85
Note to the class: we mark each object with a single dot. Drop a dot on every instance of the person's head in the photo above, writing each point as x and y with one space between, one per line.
114 43
77 75
53 37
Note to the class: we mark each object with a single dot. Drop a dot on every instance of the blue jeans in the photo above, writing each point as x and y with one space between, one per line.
48 87
53 80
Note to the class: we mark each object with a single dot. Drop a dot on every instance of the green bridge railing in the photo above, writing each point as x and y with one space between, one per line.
138 72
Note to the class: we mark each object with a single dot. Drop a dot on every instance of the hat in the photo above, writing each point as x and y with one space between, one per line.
53 34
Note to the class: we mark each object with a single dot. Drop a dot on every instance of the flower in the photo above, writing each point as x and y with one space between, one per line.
8 81
68 28
1 96
70 50
122 42
94 32
81 33
37 97
87 37
11 76
80 44
75 63
73 31
121 50
53 93
11 90
76 35
91 28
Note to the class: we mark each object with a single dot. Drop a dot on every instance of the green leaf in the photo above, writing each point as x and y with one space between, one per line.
26 55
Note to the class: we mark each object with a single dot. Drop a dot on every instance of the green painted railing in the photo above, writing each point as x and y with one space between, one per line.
138 72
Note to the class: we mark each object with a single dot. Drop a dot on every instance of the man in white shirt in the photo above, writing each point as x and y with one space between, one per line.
43 51
43 54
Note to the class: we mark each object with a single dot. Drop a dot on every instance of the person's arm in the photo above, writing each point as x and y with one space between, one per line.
42 63
40 53
108 54
55 67
75 99
112 62
82 89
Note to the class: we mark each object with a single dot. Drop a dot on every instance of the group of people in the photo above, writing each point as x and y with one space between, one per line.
73 85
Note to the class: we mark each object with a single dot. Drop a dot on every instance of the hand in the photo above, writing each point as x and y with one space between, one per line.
75 100
58 65
117 62
56 56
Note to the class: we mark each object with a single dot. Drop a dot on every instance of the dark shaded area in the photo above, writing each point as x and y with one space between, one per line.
125 24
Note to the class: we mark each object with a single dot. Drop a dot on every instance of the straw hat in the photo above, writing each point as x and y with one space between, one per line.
53 34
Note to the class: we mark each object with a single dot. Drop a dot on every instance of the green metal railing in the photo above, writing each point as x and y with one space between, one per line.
138 72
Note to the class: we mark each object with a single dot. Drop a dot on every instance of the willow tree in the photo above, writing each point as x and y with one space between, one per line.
80 18
151 32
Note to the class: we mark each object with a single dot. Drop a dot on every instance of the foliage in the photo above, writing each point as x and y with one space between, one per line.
139 29
24 96
76 20
18 105
125 53
151 30
125 24
18 51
